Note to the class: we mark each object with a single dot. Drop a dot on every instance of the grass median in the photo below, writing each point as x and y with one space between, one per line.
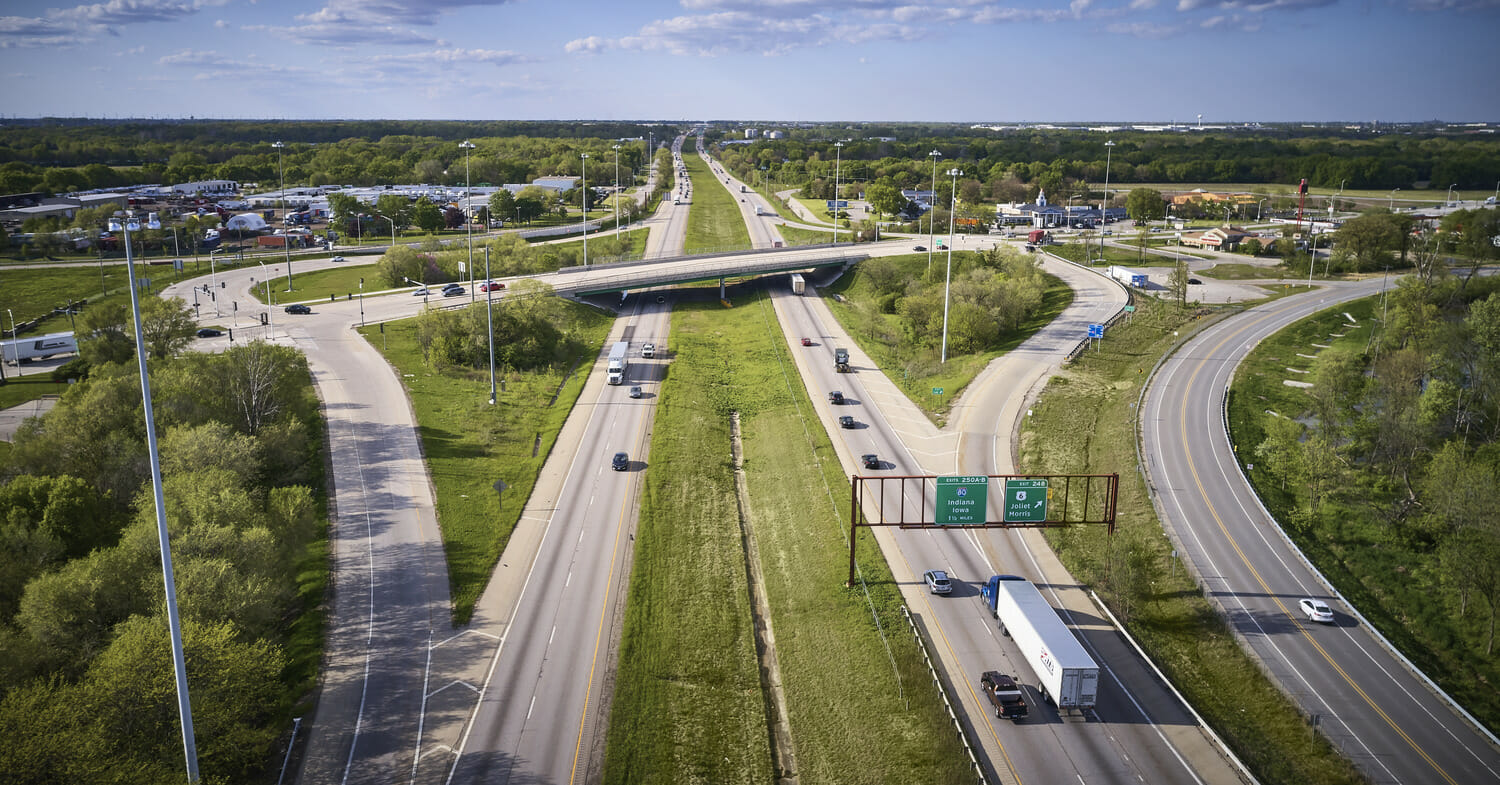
862 708
1084 422
714 220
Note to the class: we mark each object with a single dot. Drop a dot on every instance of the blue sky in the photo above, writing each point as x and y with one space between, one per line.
795 60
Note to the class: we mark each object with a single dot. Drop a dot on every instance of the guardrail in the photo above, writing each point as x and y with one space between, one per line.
609 280
943 692
1083 343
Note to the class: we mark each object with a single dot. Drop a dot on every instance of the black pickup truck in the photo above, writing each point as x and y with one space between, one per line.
1005 694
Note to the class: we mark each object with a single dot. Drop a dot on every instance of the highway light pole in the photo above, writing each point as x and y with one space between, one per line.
617 193
1448 202
286 239
489 320
932 211
392 222
1390 205
1109 150
948 281
174 624
469 219
585 200
838 150
1258 205
270 314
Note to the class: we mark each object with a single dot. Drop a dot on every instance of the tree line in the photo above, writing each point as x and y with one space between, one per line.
86 687
50 159
1014 165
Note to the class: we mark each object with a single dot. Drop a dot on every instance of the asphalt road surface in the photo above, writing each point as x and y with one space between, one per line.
1365 699
1138 733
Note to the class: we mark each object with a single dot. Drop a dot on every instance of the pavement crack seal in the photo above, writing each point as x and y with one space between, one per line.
783 749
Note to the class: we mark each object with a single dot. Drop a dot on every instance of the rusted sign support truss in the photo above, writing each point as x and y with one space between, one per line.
1072 499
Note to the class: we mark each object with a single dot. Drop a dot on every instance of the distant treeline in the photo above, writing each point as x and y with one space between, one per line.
1327 158
64 156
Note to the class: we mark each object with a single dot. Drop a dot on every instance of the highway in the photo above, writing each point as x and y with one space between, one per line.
1138 732
1367 702
541 711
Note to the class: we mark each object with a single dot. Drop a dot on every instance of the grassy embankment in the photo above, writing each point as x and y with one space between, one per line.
714 220
689 705
469 444
1084 422
1394 580
883 337
796 235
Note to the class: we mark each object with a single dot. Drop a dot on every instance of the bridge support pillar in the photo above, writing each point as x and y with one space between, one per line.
721 288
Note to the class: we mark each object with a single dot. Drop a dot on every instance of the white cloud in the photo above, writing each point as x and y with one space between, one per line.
388 12
1148 30
81 24
451 57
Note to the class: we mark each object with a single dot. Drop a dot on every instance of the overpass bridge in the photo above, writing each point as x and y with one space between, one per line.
626 276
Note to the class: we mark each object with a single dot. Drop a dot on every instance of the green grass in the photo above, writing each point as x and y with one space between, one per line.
698 683
33 292
1395 582
884 340
1084 423
18 390
1240 272
796 235
714 222
819 209
469 444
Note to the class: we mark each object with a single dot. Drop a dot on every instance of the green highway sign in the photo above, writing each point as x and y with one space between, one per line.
937 391
1025 501
962 500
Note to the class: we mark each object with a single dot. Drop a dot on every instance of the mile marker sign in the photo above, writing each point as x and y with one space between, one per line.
1025 501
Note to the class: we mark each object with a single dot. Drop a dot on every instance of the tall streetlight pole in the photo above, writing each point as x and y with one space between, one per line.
617 193
585 200
469 219
174 624
1449 200
1333 203
932 211
1259 205
1109 150
270 312
286 239
948 281
489 321
1390 205
15 351
838 150
392 222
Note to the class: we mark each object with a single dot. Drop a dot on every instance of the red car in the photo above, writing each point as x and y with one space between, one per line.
491 286
807 342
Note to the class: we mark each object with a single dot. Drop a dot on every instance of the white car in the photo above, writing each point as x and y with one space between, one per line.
648 351
337 259
1316 610
937 582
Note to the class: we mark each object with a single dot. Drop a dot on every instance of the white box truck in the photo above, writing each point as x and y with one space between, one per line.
1066 674
618 362
799 286
40 347
1127 276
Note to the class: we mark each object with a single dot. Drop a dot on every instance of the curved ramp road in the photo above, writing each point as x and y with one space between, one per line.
1365 698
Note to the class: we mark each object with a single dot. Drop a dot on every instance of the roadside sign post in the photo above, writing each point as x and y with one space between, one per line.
938 391
1025 501
962 500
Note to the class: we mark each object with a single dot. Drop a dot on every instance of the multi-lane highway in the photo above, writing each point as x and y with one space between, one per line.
1366 700
1139 732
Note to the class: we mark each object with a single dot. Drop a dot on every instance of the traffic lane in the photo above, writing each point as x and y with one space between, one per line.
1266 610
390 573
528 724
968 637
544 698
